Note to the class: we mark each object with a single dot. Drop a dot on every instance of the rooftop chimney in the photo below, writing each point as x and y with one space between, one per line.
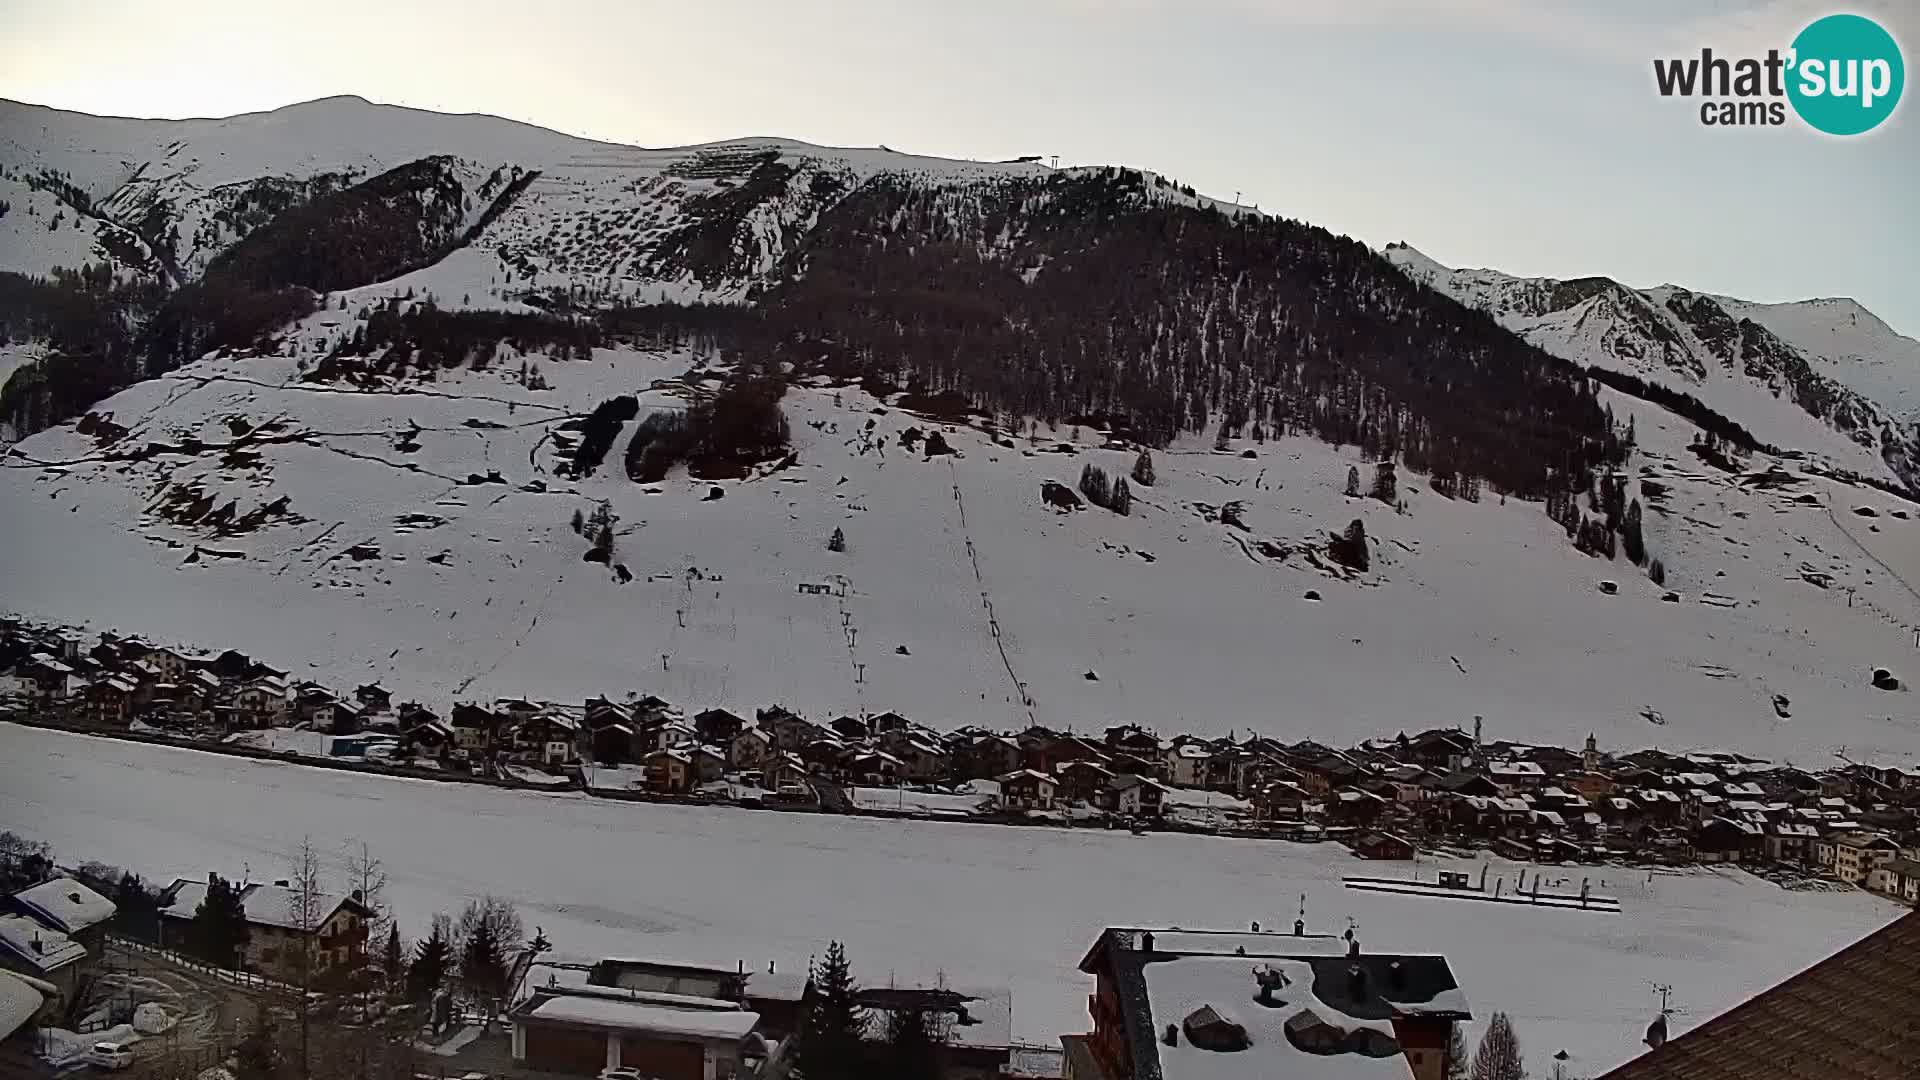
1172 1035
1146 941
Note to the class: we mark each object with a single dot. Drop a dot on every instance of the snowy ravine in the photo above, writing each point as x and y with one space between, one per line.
979 904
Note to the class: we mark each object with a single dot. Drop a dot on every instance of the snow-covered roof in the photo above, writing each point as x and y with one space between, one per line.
187 898
1516 768
19 1000
65 904
777 985
272 905
1193 752
1177 988
43 949
715 1023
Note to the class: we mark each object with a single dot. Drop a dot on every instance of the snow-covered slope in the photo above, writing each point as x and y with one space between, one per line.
1823 376
419 534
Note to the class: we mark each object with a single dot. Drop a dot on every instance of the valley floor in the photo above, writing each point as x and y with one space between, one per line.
981 905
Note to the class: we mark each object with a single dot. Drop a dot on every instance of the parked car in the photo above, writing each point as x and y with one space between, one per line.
624 1072
111 1055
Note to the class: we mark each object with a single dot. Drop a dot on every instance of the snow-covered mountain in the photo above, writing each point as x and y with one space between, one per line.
348 433
1823 376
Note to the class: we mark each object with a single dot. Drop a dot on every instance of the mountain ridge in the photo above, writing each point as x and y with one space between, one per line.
1760 363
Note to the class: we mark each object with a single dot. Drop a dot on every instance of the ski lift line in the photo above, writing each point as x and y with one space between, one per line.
986 600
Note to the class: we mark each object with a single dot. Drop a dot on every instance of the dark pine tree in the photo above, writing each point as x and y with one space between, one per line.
838 541
393 961
218 933
834 1029
1386 486
1143 468
1353 482
483 965
429 968
1632 542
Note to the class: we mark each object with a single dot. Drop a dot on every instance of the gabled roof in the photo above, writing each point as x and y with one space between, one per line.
65 905
36 946
272 905
1849 1017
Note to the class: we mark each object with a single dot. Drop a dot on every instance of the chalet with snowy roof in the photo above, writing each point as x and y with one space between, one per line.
171 665
1133 739
662 1021
373 698
1723 839
921 758
547 737
1137 796
1028 789
1279 800
990 755
709 764
29 948
1201 1005
1324 774
54 681
1187 763
1083 781
1375 844
69 907
1897 877
671 772
717 727
783 769
875 767
1848 1017
111 700
1437 748
1514 777
276 931
1356 806
474 728
751 749
789 730
1854 856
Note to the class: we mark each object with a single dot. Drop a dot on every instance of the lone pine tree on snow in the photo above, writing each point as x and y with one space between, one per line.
838 541
1499 1055
1143 468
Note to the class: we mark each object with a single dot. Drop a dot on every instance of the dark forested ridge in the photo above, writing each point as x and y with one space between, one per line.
1099 295
1164 318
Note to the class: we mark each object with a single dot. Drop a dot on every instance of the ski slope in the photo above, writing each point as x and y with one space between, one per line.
962 596
1000 906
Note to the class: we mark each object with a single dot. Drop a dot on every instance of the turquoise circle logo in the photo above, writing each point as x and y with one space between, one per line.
1846 74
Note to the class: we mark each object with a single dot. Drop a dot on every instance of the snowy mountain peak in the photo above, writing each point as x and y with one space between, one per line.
1826 377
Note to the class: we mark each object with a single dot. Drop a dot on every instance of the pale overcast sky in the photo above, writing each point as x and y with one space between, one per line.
1520 134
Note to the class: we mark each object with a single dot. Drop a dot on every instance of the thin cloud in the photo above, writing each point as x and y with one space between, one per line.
1606 30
